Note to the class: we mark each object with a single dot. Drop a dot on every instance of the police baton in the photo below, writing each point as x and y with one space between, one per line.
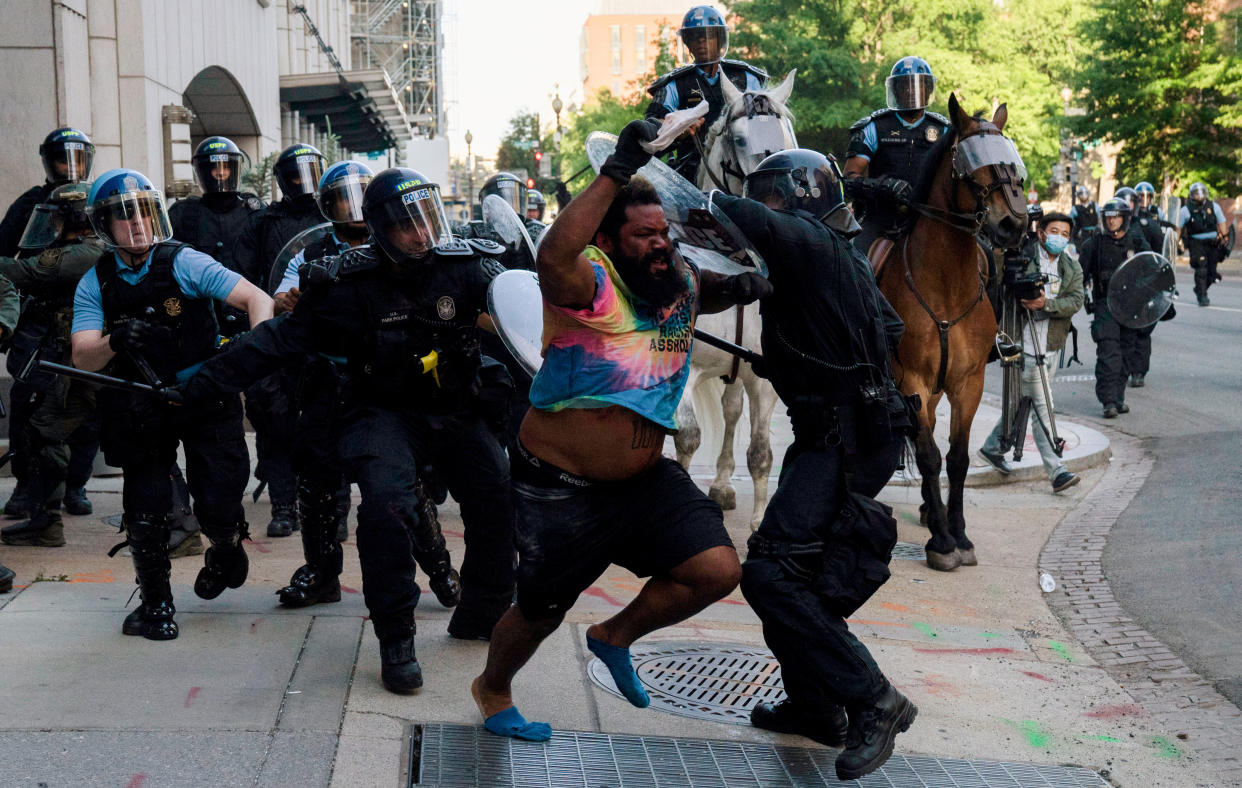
728 347
162 392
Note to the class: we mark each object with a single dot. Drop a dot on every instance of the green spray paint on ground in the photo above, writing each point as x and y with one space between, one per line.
1061 649
1034 733
1102 737
924 628
1165 748
989 635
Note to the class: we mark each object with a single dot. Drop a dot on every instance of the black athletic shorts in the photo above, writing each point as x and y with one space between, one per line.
569 529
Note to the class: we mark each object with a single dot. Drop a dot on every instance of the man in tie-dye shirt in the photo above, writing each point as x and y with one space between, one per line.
591 484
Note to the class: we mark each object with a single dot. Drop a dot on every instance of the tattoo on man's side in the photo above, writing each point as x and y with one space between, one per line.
646 434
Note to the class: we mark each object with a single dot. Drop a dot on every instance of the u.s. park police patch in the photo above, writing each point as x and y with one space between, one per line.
932 133
445 308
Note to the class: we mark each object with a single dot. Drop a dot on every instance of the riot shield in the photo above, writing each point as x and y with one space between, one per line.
1230 238
1169 247
516 307
702 232
1141 290
296 244
507 224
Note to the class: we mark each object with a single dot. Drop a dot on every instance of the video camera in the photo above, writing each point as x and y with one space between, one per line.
1019 284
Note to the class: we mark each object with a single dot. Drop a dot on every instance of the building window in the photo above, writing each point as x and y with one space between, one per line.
640 49
614 36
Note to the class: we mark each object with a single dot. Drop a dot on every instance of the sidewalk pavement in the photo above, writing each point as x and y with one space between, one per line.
253 693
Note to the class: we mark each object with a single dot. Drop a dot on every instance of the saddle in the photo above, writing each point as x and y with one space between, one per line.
878 254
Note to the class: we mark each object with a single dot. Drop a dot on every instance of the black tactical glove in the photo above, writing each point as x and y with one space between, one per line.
629 155
899 189
1088 305
137 335
746 288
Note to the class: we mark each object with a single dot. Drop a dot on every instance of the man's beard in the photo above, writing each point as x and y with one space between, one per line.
660 289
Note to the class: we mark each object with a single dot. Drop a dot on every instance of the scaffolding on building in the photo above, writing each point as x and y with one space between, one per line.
404 38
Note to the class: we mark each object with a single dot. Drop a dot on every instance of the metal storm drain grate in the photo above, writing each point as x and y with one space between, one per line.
464 756
717 681
909 552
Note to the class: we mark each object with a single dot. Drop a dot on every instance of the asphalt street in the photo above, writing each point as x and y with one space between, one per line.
1172 558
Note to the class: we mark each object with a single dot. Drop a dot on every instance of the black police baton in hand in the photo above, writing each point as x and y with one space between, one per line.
162 392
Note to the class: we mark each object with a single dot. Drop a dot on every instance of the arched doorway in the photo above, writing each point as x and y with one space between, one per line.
220 107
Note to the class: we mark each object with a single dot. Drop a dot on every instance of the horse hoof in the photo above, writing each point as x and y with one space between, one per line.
968 557
944 562
725 497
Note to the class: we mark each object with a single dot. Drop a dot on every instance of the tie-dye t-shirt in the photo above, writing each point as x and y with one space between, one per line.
616 352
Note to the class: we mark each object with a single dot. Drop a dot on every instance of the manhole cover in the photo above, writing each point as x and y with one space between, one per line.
709 681
909 552
464 756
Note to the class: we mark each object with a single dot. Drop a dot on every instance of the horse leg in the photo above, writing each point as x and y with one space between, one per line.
722 491
941 549
689 436
763 400
964 406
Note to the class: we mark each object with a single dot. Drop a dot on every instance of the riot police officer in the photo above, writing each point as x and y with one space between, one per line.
9 304
887 148
1100 257
402 313
67 156
706 37
1085 216
535 206
1203 230
820 551
269 403
1148 216
58 248
144 312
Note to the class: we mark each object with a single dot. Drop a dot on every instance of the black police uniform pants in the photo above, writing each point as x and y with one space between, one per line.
270 409
1203 257
822 662
1111 370
60 413
1136 349
381 450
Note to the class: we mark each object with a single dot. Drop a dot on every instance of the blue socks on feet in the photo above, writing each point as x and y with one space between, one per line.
622 669
511 723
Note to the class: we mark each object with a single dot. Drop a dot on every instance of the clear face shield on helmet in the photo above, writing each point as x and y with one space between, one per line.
1083 194
910 91
409 227
340 202
705 45
1145 199
133 221
70 162
219 173
755 139
44 228
1198 193
299 175
512 192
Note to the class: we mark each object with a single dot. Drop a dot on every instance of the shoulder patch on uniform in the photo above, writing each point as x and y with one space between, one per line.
456 247
485 247
862 122
937 117
355 261
742 64
492 267
659 84
253 203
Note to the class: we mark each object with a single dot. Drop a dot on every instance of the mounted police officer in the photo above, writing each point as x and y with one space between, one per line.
269 403
57 249
67 156
402 313
1203 230
322 492
1100 257
887 148
1085 216
824 545
706 37
144 312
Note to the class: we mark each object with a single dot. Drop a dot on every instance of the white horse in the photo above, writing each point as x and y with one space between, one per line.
752 125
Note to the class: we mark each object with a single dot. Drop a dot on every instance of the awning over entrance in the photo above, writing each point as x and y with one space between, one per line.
360 106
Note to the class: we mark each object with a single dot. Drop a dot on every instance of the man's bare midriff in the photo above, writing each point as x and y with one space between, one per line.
596 443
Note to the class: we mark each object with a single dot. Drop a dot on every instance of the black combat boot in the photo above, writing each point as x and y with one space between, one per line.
148 544
76 502
6 579
399 669
827 725
284 519
319 579
225 564
431 553
18 505
873 728
44 529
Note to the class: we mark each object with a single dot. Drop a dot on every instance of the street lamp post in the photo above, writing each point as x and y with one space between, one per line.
470 176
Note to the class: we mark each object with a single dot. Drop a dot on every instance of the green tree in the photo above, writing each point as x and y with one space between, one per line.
258 179
604 112
517 146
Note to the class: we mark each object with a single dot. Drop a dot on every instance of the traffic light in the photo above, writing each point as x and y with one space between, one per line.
530 183
538 155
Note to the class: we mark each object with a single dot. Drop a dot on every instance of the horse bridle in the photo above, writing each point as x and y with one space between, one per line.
969 222
754 104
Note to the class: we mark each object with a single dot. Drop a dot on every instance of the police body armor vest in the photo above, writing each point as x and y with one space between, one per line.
900 151
157 299
1202 219
1110 253
43 328
1148 220
1088 216
282 221
211 231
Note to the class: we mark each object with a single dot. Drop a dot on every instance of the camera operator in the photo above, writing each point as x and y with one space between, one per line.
1049 288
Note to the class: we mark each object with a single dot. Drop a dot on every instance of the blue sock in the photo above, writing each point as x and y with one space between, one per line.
622 669
511 723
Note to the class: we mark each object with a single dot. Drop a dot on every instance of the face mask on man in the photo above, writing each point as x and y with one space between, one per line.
1055 244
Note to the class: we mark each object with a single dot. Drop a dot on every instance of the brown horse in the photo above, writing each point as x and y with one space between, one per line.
933 277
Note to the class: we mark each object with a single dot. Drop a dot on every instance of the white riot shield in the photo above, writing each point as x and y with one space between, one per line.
507 224
702 232
1141 290
516 307
297 244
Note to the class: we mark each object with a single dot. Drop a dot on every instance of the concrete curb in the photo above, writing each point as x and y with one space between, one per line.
1174 695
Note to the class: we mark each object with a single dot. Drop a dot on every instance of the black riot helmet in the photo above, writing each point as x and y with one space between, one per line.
509 187
536 204
218 165
404 214
62 213
298 170
1127 194
67 155
801 179
1198 193
1117 206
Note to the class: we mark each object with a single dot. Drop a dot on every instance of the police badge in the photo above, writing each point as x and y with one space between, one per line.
932 133
445 308
172 306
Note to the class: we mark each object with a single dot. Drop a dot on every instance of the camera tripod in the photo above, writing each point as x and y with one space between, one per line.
1016 408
